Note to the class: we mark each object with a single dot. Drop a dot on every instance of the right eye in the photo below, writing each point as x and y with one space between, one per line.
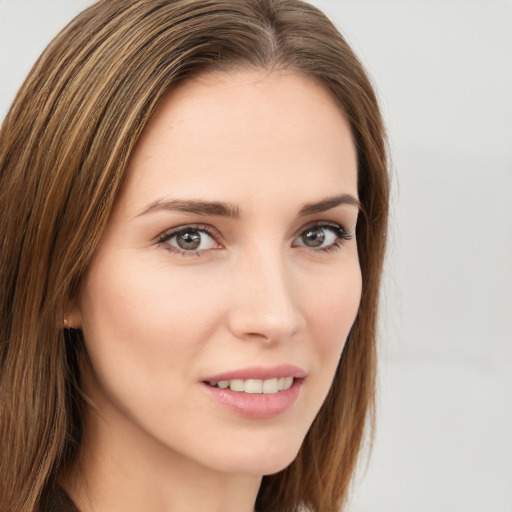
188 240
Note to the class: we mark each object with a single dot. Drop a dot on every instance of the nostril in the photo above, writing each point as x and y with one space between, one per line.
257 335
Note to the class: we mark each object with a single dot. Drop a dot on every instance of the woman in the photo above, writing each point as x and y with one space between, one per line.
193 207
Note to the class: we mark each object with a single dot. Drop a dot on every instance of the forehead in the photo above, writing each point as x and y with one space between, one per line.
230 132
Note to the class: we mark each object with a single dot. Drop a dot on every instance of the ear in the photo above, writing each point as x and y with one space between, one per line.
73 317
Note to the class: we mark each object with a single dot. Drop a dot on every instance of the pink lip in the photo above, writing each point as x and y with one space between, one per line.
259 372
257 406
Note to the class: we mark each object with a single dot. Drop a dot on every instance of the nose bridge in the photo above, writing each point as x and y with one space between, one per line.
265 305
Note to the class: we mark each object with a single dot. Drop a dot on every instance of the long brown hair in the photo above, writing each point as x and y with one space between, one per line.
64 148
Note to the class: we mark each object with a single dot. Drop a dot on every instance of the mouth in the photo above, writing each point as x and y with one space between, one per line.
254 386
257 392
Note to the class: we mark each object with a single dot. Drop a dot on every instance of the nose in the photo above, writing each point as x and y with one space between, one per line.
264 303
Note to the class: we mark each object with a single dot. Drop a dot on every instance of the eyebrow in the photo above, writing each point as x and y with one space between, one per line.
193 206
233 211
329 203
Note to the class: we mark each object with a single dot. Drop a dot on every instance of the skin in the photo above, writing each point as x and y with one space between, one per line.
157 322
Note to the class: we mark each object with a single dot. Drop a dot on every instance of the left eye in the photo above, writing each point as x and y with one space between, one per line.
190 239
322 236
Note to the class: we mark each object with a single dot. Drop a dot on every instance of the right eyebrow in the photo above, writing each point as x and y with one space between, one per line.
193 206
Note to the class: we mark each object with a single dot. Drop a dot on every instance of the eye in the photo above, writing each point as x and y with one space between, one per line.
325 236
189 240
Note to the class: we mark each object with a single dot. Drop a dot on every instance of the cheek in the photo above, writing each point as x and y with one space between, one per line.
143 310
332 308
145 328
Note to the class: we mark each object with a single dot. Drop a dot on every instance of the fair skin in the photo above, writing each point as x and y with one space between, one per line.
266 285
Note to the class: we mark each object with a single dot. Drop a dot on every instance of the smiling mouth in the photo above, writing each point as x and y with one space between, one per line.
254 386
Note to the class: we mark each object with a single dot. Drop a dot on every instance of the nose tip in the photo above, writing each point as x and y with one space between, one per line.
265 307
272 327
264 321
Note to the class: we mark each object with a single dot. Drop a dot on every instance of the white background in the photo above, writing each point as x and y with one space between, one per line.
443 70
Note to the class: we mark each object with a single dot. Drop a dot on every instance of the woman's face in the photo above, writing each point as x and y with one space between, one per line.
219 300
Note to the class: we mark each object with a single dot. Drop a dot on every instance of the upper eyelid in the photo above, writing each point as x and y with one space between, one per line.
172 232
325 224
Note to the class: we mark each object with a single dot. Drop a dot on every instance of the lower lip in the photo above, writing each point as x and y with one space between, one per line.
257 405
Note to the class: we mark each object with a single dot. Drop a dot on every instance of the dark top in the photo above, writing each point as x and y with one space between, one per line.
56 500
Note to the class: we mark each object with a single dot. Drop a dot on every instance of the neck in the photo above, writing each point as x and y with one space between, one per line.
124 471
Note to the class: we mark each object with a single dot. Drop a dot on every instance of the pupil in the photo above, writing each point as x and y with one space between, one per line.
189 240
314 237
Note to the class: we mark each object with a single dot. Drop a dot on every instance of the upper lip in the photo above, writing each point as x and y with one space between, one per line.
260 372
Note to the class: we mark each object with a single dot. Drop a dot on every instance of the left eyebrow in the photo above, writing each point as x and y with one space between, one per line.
329 203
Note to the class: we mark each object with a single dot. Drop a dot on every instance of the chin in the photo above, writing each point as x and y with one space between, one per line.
260 461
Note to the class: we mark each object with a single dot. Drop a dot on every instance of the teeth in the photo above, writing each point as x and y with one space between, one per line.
270 386
237 385
255 386
287 382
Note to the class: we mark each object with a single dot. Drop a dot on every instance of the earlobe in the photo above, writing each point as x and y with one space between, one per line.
69 325
72 319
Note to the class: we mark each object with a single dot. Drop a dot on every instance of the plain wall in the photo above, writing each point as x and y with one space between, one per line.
443 70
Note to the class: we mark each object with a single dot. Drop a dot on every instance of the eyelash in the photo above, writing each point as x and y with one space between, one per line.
341 233
168 235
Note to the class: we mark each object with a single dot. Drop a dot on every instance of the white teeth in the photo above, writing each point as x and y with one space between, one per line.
237 385
255 386
288 381
270 386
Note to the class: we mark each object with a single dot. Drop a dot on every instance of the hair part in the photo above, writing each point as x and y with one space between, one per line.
64 148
